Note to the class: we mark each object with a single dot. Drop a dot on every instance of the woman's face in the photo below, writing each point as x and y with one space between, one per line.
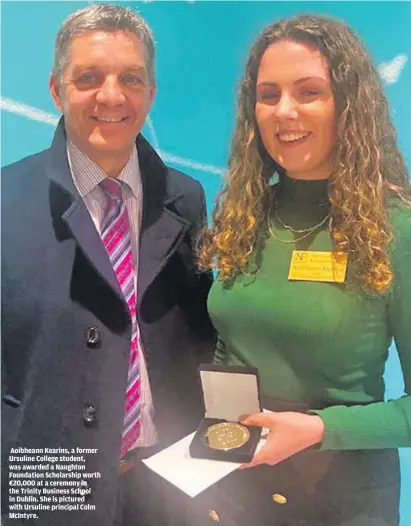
295 109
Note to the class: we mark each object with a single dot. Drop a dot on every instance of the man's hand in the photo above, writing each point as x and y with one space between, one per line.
289 433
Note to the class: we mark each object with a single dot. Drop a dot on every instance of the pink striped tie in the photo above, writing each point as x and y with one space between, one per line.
116 236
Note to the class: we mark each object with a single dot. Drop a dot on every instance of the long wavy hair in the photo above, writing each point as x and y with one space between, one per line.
369 167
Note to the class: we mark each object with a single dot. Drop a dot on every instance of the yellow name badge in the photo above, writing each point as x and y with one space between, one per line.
308 265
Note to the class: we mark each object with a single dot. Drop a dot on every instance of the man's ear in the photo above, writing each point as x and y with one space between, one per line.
55 92
153 91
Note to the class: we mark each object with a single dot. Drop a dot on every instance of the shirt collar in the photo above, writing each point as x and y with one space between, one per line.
87 174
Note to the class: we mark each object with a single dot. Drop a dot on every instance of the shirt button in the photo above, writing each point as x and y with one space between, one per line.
93 338
89 415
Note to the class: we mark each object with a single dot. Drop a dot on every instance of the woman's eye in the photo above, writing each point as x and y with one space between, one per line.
310 92
269 96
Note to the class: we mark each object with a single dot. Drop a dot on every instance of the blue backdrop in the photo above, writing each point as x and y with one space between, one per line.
201 51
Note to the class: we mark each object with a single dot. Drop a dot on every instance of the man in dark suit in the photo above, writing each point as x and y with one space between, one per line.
103 311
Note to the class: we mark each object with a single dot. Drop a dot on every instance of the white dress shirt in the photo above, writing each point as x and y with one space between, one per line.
87 176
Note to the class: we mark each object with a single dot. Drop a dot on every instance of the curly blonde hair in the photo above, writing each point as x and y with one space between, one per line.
369 167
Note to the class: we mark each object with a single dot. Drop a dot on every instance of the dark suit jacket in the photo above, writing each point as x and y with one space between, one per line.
57 283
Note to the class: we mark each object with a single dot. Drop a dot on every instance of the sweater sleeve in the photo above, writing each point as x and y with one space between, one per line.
220 355
382 424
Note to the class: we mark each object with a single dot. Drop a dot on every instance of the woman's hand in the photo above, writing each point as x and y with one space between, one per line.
289 433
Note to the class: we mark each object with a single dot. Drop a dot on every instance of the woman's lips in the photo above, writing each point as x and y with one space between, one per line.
292 138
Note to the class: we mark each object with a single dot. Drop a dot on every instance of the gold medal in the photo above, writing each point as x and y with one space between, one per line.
226 435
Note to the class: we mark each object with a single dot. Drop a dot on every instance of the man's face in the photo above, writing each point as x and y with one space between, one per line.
104 94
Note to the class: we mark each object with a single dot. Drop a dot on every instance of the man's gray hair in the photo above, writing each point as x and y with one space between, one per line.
102 17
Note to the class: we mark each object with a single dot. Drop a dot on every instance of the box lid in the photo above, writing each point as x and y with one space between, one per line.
230 391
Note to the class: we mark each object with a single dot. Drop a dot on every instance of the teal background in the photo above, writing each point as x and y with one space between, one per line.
201 51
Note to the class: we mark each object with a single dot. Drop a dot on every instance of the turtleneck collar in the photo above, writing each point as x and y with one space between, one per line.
300 192
300 203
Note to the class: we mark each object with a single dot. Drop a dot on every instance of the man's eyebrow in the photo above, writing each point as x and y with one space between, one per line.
82 67
140 69
90 66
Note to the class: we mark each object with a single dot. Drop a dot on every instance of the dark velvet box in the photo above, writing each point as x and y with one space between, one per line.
229 392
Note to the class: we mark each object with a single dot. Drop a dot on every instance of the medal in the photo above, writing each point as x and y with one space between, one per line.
226 435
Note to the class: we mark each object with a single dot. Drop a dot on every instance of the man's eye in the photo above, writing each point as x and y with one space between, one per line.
132 80
87 78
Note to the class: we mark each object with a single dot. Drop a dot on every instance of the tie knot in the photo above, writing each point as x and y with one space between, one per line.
112 187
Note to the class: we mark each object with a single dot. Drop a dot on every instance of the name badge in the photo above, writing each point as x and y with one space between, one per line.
308 265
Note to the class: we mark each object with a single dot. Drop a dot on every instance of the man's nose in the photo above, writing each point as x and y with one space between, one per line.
110 92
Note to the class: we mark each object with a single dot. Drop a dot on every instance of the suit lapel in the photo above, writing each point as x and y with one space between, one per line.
82 227
68 208
162 228
158 243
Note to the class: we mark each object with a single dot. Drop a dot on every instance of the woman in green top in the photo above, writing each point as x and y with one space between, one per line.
314 282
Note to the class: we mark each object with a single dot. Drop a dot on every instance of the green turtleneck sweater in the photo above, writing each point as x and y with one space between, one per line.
325 344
